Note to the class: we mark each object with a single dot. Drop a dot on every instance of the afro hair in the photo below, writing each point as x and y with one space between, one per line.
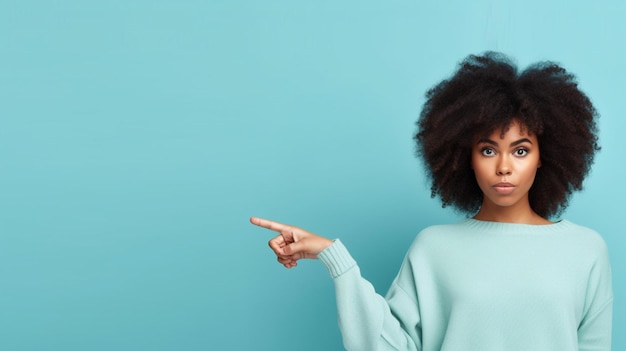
487 93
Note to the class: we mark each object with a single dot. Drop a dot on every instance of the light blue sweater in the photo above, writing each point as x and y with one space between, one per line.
482 286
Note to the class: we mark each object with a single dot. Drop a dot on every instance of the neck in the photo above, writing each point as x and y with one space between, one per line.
520 213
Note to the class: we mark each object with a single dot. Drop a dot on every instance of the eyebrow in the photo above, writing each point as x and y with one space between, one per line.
515 143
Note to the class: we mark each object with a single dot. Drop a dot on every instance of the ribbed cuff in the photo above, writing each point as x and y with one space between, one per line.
337 259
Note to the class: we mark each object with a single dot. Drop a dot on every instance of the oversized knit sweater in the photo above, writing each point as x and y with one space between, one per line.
482 286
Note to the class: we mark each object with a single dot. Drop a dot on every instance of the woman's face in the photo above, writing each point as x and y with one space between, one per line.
505 167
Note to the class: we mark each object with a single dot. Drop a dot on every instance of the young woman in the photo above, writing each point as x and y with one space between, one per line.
508 149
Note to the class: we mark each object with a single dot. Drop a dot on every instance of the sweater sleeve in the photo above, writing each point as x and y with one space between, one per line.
594 331
367 320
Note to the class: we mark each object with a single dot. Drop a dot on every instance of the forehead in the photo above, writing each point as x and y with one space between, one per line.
514 130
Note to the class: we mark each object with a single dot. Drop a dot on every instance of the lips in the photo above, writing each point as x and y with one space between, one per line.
504 188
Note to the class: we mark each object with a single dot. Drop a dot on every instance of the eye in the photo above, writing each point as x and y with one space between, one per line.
487 151
520 152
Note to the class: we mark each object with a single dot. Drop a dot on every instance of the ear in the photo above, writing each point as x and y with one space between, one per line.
539 164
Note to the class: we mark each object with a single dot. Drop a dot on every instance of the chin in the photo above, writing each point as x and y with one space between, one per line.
504 203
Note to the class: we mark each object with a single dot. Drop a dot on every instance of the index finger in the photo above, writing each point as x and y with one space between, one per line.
271 225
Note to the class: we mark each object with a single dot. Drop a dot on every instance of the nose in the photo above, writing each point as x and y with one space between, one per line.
503 167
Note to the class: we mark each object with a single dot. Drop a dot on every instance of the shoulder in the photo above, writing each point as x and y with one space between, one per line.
439 236
572 242
583 236
448 231
438 232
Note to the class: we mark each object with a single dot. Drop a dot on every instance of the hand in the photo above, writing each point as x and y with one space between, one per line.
293 243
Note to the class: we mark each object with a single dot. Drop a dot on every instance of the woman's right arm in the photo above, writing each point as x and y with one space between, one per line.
367 320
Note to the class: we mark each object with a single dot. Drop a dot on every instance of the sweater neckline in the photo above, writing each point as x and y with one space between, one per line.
505 227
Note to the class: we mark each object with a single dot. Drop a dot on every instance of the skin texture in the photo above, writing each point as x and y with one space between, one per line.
292 243
512 158
505 166
484 94
488 92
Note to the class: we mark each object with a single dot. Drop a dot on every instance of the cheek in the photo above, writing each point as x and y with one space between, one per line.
480 174
529 174
480 168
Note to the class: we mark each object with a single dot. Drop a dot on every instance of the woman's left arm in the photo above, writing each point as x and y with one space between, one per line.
594 331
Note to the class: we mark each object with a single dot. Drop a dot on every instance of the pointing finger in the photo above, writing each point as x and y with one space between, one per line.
271 225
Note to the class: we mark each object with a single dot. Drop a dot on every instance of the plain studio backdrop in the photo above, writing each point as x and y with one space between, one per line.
137 137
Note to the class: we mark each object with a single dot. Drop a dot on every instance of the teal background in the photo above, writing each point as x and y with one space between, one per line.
137 137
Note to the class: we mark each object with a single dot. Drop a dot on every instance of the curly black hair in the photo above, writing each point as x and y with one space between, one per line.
486 93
